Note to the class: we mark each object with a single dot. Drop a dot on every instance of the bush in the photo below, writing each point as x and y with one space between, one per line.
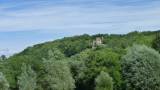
104 82
141 69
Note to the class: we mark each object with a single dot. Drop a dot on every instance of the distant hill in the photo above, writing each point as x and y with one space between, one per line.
73 45
75 49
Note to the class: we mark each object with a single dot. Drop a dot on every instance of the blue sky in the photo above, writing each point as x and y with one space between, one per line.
27 22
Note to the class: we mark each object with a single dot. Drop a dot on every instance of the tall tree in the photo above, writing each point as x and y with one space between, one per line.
3 57
57 73
27 79
104 82
4 85
141 69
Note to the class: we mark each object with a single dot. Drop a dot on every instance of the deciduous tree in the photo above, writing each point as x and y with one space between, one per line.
141 69
104 82
57 74
27 79
4 85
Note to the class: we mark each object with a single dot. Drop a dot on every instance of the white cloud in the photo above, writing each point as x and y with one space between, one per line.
72 17
102 16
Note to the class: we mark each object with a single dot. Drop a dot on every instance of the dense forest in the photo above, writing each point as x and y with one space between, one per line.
98 62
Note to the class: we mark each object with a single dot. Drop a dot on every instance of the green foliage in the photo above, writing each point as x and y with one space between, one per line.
77 64
74 45
141 69
156 43
104 82
57 75
12 68
76 56
55 54
4 85
2 57
27 79
95 61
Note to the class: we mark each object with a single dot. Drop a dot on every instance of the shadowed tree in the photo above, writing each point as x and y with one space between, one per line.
3 57
156 43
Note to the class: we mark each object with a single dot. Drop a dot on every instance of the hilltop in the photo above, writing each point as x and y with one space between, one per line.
85 62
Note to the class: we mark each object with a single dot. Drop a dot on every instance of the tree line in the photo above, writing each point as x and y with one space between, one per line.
124 62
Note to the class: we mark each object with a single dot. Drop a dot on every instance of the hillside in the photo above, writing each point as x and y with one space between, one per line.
84 61
73 45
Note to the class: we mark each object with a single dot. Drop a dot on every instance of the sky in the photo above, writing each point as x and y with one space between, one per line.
24 23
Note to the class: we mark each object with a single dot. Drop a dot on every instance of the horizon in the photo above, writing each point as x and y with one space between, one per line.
7 52
26 23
